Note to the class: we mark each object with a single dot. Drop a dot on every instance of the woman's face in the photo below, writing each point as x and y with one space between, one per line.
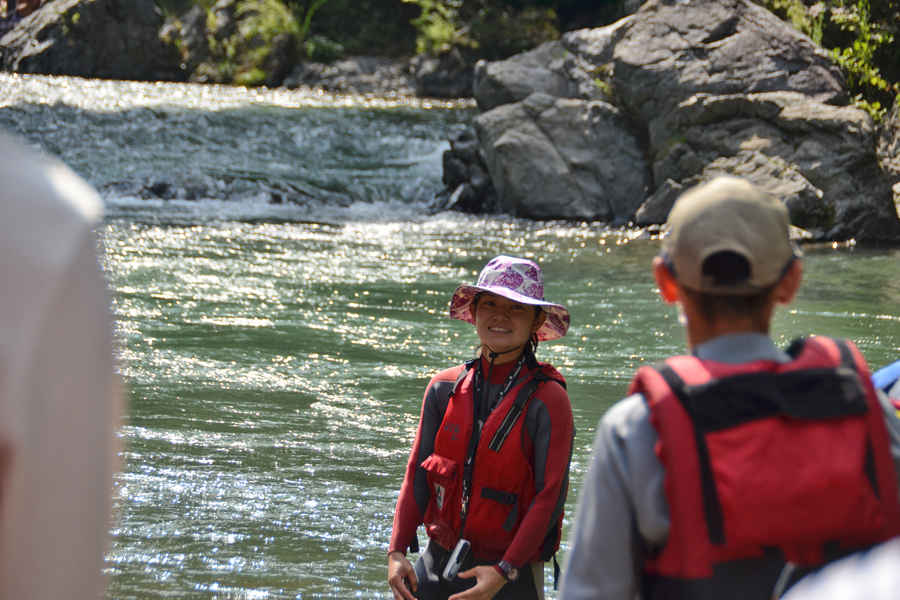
503 325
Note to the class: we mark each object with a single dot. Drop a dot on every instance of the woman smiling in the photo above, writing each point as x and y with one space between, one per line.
488 472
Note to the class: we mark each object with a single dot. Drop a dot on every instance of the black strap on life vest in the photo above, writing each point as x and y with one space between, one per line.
809 394
711 505
507 499
477 426
515 411
549 551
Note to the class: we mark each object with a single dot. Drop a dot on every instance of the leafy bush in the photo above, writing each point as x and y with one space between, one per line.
243 56
368 27
491 29
319 48
502 32
439 26
860 39
858 59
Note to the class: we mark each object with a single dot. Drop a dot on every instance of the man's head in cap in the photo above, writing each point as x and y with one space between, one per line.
728 257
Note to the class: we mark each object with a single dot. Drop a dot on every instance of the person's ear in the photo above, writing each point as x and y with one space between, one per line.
668 286
539 322
787 288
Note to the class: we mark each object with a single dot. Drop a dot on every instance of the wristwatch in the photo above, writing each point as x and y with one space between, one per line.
509 572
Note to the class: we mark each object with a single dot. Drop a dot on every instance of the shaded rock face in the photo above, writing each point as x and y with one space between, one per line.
889 150
446 76
109 39
700 89
468 187
466 174
189 32
362 75
563 158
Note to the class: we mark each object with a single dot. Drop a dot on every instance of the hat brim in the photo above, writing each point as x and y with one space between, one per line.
555 327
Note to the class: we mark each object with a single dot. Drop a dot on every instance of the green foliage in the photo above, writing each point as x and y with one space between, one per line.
319 48
241 57
500 31
439 26
794 12
260 21
491 29
875 110
857 59
604 86
860 39
603 79
306 21
368 27
251 78
480 28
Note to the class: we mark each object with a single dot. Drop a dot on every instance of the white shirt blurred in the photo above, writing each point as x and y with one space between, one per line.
873 575
60 400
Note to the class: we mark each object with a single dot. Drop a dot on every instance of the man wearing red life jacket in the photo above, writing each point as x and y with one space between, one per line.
732 472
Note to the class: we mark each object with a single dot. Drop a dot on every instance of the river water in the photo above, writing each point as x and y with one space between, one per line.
275 355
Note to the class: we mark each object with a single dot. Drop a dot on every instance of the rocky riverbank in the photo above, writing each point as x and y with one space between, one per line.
130 39
613 123
606 124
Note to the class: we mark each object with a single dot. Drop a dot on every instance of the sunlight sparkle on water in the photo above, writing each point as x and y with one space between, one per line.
106 95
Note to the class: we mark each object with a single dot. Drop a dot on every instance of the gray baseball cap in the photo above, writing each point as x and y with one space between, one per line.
728 215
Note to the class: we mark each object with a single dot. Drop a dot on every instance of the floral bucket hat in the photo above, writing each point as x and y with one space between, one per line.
516 279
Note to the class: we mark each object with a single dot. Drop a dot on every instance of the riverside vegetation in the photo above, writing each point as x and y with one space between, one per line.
860 35
260 42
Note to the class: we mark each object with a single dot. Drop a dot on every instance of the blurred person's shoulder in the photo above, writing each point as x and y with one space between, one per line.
45 208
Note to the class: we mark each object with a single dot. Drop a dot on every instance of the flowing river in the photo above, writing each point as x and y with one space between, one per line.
275 354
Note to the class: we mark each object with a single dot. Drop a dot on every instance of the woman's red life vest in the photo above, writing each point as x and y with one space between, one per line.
769 467
503 486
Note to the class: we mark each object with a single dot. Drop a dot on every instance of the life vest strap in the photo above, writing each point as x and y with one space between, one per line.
505 498
515 411
715 522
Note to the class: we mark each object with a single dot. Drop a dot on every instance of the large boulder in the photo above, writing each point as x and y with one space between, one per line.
553 158
780 139
107 39
576 66
671 51
709 87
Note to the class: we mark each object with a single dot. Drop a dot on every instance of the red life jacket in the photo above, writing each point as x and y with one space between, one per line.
766 465
502 482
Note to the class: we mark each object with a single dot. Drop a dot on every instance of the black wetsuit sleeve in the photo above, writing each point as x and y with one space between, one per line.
415 494
433 411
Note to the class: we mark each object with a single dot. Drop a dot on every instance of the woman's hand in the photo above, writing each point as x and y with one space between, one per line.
401 576
489 583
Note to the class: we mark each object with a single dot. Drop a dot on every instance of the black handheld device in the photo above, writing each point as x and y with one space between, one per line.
456 560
